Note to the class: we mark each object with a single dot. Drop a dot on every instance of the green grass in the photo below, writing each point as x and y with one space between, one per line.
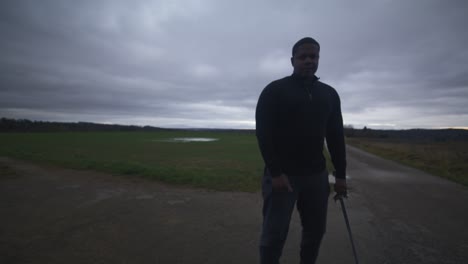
231 163
444 159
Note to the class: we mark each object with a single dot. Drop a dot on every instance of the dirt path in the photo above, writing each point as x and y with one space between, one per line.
54 215
51 215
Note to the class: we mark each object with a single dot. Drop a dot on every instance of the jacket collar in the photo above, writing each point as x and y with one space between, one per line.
301 78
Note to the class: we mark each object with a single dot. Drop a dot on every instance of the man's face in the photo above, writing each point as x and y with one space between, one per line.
306 60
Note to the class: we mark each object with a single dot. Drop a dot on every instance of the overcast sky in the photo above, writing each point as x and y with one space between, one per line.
203 63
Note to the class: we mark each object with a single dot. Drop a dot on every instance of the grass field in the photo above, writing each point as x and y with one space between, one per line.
445 159
233 162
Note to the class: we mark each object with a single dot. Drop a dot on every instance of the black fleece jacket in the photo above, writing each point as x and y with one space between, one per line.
293 118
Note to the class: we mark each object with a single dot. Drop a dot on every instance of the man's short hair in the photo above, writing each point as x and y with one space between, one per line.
302 42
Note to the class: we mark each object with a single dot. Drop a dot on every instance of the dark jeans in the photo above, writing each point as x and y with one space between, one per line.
311 197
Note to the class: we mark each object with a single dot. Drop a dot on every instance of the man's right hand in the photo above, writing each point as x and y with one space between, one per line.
281 183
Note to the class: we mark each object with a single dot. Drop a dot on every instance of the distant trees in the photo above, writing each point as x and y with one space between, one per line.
433 135
25 125
349 130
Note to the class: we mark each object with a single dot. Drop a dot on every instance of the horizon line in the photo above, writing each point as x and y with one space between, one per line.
224 128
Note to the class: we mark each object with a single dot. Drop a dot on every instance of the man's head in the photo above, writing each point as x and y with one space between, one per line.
305 57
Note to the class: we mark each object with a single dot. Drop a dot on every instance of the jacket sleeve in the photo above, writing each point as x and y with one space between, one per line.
265 116
335 138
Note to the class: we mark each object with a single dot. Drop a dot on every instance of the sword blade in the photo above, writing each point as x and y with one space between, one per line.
343 208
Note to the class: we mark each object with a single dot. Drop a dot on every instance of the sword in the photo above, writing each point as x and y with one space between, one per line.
343 208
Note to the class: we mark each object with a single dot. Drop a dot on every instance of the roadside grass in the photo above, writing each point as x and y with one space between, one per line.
444 159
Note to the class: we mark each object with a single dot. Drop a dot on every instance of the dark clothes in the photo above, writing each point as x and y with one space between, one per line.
310 194
293 117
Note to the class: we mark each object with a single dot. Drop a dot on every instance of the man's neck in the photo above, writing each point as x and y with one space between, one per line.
312 78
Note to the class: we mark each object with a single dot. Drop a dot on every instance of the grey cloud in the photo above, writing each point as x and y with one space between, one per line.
205 62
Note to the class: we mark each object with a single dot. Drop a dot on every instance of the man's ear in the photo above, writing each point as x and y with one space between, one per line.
292 59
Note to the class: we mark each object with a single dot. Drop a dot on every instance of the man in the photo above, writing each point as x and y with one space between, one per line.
294 115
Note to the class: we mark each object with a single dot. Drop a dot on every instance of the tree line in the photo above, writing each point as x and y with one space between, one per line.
25 125
433 135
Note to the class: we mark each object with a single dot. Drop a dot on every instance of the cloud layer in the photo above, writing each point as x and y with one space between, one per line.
203 63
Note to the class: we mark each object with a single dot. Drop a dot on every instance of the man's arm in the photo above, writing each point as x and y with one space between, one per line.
335 139
265 116
336 145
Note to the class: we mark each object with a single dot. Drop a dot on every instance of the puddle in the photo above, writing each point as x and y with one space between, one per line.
188 139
